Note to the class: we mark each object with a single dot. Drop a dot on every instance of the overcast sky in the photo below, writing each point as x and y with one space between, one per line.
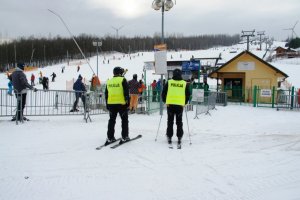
187 17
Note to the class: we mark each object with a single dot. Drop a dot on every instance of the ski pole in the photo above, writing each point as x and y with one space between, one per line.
187 122
158 128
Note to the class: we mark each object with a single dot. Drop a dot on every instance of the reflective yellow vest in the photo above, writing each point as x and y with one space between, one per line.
115 91
176 92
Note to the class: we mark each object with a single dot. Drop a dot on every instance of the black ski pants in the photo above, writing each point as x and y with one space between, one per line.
175 111
77 96
114 109
154 93
21 101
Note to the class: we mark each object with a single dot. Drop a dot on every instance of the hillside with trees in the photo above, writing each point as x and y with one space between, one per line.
46 51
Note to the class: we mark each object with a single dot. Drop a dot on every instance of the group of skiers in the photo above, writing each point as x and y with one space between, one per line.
42 80
118 97
121 97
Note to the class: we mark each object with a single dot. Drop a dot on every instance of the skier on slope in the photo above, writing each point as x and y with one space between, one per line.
117 101
53 76
176 95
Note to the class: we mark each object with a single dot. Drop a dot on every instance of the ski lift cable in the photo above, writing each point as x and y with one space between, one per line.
61 19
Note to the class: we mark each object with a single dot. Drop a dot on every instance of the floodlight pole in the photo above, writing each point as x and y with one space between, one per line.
97 59
97 44
162 41
162 7
162 22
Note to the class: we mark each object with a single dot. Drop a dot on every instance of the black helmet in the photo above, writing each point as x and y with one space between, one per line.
118 71
177 73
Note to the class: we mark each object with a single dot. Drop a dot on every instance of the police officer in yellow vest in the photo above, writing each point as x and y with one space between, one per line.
117 101
176 95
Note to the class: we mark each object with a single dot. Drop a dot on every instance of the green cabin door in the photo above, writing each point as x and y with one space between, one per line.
234 88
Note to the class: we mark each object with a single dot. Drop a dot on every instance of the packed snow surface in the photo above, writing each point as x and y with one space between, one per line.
238 152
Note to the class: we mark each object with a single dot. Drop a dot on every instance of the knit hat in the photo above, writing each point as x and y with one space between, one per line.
21 66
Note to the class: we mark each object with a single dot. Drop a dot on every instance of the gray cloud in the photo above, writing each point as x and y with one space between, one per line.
188 17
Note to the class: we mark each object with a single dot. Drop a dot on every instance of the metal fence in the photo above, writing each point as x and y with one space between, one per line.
209 102
60 103
149 102
276 98
288 102
51 103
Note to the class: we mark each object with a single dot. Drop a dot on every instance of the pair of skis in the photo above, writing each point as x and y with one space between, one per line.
120 142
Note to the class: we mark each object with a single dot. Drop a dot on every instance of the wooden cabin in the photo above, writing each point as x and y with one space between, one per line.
239 75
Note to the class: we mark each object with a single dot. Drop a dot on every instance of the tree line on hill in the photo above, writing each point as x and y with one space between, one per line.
46 51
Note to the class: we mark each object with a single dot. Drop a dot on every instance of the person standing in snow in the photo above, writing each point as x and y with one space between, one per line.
176 95
32 78
158 89
95 83
117 101
41 77
154 92
10 85
134 93
20 83
141 90
45 83
80 89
